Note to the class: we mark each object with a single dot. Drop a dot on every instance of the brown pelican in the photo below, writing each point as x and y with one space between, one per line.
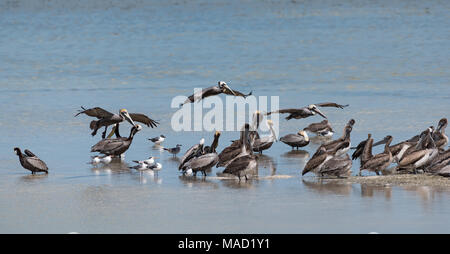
264 143
344 139
439 162
174 150
158 140
253 135
235 149
206 161
30 161
380 161
300 139
245 162
363 150
306 111
107 118
221 87
116 146
439 136
420 157
321 129
336 166
194 151
318 160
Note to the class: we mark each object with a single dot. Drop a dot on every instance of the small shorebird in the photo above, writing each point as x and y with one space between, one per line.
174 150
158 140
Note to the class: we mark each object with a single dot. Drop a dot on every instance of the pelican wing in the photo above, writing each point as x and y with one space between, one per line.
37 163
29 153
209 159
95 112
189 154
291 138
228 154
376 161
314 162
239 164
336 164
284 111
237 93
359 150
144 119
331 104
412 158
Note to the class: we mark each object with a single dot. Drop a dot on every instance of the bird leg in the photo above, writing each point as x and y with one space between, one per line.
104 133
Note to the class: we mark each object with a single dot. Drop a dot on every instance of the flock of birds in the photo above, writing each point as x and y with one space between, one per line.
424 152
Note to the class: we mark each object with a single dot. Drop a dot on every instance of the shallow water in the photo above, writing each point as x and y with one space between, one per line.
389 60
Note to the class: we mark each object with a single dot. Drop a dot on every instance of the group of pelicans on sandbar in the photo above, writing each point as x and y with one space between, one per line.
423 153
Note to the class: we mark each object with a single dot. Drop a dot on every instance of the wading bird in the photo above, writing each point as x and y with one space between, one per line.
116 146
107 118
264 143
320 129
30 161
306 111
299 139
194 151
158 140
174 150
221 87
421 157
206 161
363 150
380 161
319 159
344 139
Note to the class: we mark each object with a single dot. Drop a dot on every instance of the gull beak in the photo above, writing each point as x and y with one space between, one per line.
319 112
229 89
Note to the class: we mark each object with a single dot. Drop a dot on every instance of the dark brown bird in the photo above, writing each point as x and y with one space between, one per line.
107 118
30 161
221 87
380 161
116 146
307 111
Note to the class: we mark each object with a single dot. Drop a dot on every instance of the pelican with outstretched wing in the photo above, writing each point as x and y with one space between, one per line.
310 110
107 118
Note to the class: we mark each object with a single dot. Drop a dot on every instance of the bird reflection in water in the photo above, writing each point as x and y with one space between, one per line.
368 190
265 161
116 166
191 181
326 187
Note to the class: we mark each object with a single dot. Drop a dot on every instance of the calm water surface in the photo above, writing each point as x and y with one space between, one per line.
389 60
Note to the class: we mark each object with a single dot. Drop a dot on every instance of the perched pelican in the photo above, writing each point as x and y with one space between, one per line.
344 139
30 161
158 140
264 143
380 161
300 139
419 158
107 118
439 162
194 151
318 160
306 111
206 161
221 87
235 149
320 129
364 150
336 166
245 162
116 146
174 150
439 136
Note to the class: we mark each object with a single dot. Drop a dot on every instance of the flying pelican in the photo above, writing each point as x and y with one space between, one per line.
194 151
318 160
206 161
380 161
320 129
421 157
174 150
231 152
221 87
306 111
264 143
106 118
299 139
116 146
245 162
30 161
158 140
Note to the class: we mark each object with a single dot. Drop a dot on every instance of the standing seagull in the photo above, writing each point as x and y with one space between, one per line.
158 140
306 111
174 150
221 87
31 161
107 118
